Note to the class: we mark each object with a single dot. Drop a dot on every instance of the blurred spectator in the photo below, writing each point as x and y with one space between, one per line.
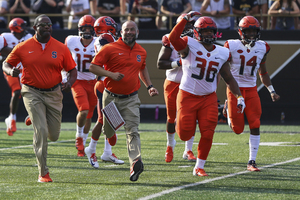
158 20
263 9
123 9
217 9
196 4
147 7
282 9
298 18
273 18
50 7
20 6
173 8
130 5
110 8
243 8
3 10
77 9
93 7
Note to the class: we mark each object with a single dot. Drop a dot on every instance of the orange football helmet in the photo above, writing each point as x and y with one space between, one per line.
249 22
205 23
17 25
105 24
86 21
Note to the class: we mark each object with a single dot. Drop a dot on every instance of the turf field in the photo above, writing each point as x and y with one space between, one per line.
74 178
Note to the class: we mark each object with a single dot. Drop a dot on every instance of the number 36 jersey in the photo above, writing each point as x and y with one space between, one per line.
245 62
201 67
82 55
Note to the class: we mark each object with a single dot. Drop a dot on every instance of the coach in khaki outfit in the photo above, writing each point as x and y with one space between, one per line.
125 62
43 58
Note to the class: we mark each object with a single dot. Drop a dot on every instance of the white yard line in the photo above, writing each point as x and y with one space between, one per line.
211 180
19 147
63 141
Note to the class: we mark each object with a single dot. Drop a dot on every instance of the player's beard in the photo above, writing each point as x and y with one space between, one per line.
129 41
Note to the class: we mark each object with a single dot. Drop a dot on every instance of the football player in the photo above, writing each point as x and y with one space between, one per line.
106 30
249 55
202 60
169 60
18 33
82 50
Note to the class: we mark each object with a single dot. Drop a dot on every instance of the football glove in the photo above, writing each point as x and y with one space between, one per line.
241 104
192 15
176 63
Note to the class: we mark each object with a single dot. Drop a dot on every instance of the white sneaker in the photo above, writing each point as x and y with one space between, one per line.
111 158
92 158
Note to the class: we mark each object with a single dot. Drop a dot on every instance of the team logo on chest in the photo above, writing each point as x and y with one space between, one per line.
138 58
54 54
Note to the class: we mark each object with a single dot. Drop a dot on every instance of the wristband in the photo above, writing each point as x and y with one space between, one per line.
263 73
271 89
149 87
175 64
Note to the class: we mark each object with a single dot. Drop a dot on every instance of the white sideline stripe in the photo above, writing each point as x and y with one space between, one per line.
211 180
19 147
288 144
280 68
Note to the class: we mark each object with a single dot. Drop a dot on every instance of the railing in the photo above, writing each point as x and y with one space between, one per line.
66 15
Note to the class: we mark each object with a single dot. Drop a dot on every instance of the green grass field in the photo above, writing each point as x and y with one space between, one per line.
74 178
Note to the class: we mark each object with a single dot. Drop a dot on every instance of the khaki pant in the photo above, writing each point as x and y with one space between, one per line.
129 109
44 109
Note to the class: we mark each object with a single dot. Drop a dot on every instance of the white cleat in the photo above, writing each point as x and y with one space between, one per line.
111 158
92 158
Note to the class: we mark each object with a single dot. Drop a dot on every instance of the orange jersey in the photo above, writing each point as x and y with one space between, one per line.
119 57
41 67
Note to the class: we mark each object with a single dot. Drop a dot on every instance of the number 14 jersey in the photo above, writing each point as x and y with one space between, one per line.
245 62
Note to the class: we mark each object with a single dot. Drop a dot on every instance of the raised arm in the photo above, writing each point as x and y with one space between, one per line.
180 44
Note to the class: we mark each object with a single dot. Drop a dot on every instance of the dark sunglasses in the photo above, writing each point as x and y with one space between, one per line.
45 24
